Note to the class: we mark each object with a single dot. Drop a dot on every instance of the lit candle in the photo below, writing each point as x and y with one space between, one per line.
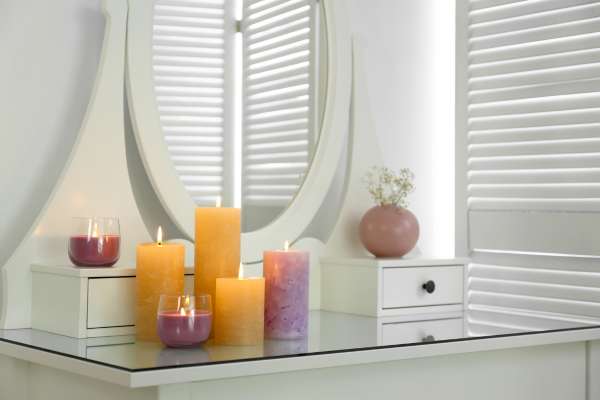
182 322
239 310
286 299
159 271
217 252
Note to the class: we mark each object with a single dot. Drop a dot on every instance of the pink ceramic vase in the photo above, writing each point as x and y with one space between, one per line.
389 231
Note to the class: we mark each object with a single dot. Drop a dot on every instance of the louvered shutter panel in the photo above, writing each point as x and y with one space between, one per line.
192 51
279 102
531 98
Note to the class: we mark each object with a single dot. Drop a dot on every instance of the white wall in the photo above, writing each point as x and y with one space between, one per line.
50 52
409 59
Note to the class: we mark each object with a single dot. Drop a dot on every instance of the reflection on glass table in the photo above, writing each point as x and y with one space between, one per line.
328 333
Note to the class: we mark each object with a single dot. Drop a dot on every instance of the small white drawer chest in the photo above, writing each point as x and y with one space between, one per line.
392 287
87 302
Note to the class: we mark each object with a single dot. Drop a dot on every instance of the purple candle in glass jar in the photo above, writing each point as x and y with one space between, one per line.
177 330
95 242
286 293
100 251
184 320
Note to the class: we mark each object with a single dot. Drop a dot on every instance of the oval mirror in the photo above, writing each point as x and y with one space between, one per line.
232 102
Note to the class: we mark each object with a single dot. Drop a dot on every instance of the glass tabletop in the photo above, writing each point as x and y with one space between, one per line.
329 333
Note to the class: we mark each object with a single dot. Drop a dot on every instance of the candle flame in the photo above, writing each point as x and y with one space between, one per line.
286 245
159 236
218 201
182 311
93 230
241 271
186 303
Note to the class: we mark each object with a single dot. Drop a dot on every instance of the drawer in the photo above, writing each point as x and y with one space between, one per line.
421 331
111 302
403 287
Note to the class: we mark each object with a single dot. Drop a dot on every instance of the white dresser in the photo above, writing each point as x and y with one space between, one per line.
392 287
87 302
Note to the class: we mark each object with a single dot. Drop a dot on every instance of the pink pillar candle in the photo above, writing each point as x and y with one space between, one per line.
177 329
90 251
286 294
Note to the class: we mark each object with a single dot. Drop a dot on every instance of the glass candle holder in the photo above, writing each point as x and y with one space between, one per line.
94 242
184 320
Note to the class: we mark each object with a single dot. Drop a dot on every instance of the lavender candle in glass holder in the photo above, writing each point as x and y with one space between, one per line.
95 242
286 293
184 320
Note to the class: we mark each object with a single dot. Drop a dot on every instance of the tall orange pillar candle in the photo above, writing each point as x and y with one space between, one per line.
217 251
160 270
240 311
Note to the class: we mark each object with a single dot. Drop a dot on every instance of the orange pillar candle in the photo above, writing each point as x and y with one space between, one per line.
217 252
240 311
160 270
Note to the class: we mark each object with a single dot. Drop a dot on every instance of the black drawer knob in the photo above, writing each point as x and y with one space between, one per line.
429 286
428 339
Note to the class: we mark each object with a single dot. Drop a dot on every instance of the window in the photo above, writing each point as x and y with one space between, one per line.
528 119
199 70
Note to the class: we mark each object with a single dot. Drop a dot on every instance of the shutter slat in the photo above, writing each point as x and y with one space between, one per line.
548 104
274 11
525 64
580 131
588 160
536 147
521 9
278 136
277 106
533 92
540 77
542 48
536 176
569 117
558 16
480 4
543 304
278 85
536 191
279 42
294 26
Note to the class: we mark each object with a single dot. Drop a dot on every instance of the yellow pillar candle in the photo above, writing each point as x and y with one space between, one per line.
159 271
240 311
217 252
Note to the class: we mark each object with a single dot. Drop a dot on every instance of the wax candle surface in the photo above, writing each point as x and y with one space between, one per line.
239 311
159 271
286 294
89 251
178 330
217 251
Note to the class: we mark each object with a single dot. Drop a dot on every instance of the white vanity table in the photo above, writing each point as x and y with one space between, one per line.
444 355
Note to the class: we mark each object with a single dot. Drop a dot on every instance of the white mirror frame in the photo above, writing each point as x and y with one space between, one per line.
176 201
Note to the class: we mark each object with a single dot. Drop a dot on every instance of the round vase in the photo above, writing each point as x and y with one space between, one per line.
389 231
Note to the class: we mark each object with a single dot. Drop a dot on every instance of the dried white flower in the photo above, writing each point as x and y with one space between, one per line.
388 188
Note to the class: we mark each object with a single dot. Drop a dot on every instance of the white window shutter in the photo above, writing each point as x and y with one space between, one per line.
192 49
529 89
279 104
534 124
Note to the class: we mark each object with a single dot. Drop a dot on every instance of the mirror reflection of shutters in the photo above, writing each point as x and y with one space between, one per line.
192 60
279 86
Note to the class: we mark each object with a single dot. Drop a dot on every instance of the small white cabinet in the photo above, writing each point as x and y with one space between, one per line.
392 287
87 302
